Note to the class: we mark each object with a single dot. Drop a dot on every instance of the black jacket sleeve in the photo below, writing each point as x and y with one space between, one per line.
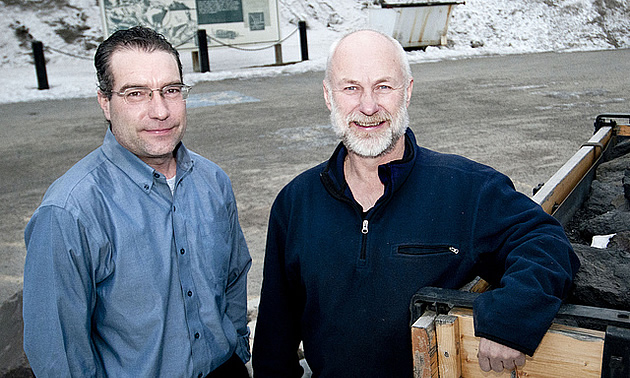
526 255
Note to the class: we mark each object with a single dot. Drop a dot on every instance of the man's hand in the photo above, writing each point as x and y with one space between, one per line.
495 356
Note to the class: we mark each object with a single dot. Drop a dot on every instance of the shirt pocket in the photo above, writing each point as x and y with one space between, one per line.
215 249
219 229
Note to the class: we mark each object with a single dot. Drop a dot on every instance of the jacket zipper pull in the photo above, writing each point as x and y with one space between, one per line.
364 230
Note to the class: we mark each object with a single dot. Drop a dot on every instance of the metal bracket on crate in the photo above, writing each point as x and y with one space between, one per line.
439 300
604 120
616 359
594 144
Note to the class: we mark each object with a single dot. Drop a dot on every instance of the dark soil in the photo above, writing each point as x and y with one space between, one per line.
604 277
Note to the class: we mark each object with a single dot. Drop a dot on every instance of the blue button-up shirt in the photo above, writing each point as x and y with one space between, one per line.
124 278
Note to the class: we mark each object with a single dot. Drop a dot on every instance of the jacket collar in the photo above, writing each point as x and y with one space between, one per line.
392 174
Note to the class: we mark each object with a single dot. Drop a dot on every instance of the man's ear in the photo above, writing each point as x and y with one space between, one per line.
326 96
104 102
409 90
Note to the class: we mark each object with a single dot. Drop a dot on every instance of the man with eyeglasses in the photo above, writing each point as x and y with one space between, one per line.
136 263
351 240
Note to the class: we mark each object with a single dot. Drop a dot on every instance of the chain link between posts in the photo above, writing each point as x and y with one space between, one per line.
253 49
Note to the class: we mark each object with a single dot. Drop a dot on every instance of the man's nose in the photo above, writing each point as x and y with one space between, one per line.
368 102
157 106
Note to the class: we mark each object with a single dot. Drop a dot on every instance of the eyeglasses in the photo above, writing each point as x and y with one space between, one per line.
141 95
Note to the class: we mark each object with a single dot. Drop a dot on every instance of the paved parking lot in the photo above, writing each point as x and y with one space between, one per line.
525 115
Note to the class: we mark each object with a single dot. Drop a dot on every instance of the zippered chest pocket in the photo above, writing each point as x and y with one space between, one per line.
425 250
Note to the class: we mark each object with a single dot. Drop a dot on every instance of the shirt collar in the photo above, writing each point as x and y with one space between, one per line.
138 171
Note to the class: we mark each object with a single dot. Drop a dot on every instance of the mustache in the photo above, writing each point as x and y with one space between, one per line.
371 120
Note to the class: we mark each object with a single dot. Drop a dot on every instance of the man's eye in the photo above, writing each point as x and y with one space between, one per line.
350 89
135 93
172 90
384 87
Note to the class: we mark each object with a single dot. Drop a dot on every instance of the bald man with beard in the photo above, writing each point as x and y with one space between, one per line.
352 239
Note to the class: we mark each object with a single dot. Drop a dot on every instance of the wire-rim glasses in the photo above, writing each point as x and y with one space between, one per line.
142 95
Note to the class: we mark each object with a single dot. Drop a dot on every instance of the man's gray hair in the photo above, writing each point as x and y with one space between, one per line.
402 55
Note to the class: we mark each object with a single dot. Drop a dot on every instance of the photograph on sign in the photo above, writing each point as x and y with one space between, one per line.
219 11
239 21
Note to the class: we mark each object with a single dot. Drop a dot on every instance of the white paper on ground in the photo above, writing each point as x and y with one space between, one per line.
601 241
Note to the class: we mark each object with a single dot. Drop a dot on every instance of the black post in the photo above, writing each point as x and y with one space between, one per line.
204 60
40 65
303 42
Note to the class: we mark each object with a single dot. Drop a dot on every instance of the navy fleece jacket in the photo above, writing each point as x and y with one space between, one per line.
341 281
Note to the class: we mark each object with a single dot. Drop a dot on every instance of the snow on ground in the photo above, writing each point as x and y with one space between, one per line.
494 27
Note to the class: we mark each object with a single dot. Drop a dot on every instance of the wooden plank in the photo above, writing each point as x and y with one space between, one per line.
623 130
424 346
558 187
480 286
447 335
564 352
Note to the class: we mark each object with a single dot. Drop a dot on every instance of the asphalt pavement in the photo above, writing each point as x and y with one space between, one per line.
524 115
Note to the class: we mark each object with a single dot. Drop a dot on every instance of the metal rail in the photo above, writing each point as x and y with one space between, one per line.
443 300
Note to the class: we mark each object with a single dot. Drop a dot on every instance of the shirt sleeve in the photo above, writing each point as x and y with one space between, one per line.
526 255
277 335
236 292
58 296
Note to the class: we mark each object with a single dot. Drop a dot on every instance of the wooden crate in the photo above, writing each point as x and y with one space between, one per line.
445 346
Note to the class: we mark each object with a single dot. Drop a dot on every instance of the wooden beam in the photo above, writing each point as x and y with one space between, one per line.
424 346
448 346
480 286
564 352
623 130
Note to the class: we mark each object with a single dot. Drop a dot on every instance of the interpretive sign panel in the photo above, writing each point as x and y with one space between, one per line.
227 22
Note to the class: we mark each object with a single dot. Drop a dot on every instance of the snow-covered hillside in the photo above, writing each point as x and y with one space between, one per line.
500 26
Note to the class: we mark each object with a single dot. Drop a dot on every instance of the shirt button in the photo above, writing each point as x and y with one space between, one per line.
182 251
197 335
156 175
146 187
174 208
190 293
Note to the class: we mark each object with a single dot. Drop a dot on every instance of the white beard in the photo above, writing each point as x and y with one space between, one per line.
372 143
